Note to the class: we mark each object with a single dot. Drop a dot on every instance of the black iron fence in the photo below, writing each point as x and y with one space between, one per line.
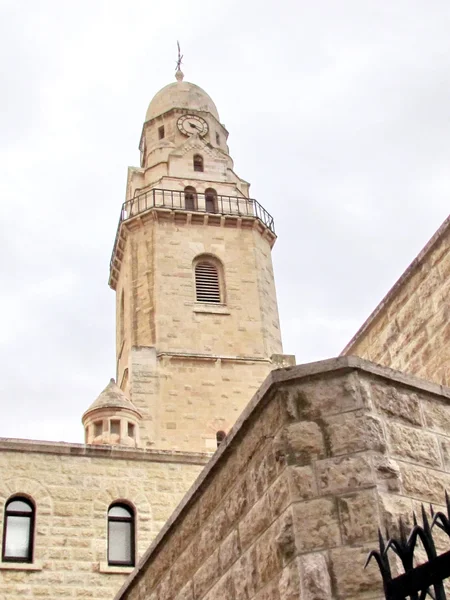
422 580
191 201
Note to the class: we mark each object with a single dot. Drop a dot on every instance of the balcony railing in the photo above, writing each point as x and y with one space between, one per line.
193 202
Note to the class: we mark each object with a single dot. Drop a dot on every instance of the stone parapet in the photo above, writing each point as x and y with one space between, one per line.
290 504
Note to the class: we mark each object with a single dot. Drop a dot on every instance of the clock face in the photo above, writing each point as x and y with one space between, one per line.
189 124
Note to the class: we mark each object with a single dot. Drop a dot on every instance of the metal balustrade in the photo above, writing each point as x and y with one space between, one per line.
184 200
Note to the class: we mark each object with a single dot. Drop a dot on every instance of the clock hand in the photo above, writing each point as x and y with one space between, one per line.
194 126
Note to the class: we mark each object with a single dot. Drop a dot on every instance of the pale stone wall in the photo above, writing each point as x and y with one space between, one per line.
410 330
72 487
192 367
290 505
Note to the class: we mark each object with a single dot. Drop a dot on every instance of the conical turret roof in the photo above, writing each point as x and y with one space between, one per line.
112 397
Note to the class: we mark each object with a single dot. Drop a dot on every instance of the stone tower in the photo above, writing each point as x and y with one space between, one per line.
197 317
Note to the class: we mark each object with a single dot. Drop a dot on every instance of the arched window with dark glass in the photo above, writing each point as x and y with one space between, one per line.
18 530
121 535
190 198
211 200
198 162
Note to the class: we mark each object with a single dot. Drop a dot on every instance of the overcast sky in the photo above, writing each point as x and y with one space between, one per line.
339 116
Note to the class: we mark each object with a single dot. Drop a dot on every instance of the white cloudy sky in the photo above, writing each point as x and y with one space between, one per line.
339 116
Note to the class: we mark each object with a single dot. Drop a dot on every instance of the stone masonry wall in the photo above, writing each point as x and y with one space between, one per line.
410 330
72 487
290 505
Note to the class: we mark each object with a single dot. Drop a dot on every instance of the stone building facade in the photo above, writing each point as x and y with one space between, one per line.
410 329
289 507
197 333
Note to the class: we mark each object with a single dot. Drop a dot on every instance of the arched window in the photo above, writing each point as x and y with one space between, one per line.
220 436
121 535
190 198
208 281
18 530
198 162
211 200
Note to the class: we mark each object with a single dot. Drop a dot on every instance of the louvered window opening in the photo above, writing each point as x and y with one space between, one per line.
207 283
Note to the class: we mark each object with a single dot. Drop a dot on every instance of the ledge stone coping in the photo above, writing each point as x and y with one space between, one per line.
11 566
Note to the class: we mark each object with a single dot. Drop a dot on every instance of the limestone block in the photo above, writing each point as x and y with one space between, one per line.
285 536
344 474
268 557
224 589
391 401
354 431
229 551
186 593
305 442
327 396
206 575
236 503
245 575
279 494
387 473
413 444
316 524
391 508
269 591
358 515
315 577
427 485
351 579
289 582
302 482
437 416
255 522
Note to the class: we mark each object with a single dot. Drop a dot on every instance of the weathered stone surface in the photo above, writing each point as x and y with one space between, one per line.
223 589
255 522
229 551
327 396
396 403
285 536
437 416
279 494
414 444
391 509
316 524
350 577
289 582
315 577
302 482
427 485
353 432
186 593
268 557
344 474
387 473
305 442
358 514
206 575
245 575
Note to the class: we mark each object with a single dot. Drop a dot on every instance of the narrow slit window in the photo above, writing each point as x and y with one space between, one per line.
207 284
121 541
98 428
18 531
131 430
198 162
161 132
217 139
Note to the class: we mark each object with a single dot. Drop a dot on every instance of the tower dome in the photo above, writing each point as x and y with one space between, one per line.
180 94
112 419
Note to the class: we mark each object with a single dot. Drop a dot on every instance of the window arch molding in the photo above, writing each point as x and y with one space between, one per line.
209 280
121 534
18 529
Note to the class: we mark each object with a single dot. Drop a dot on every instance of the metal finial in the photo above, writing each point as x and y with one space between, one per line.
178 72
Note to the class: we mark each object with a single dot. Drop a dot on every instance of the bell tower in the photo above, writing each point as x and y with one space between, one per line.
197 317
